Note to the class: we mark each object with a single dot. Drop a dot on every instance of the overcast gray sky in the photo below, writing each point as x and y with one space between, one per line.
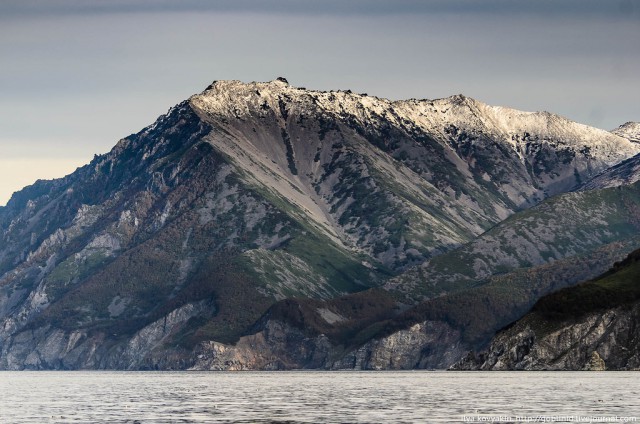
78 75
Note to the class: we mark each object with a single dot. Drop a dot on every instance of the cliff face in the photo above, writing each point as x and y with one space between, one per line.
279 346
50 348
609 340
590 326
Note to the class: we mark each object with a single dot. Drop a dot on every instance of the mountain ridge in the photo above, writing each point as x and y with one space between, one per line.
247 195
357 111
629 130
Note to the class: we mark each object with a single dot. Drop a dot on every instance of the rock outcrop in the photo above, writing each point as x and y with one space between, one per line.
279 346
599 341
591 326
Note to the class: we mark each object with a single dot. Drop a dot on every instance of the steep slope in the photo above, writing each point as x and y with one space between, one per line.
464 309
160 229
563 226
249 194
625 173
593 325
351 163
452 178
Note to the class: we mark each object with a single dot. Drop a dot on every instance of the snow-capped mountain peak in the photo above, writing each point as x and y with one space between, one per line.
189 232
459 122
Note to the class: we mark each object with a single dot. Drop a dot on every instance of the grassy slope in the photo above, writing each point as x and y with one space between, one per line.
148 275
619 286
482 310
360 315
479 307
478 312
568 225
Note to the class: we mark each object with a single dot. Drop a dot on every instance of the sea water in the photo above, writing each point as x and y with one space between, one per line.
318 397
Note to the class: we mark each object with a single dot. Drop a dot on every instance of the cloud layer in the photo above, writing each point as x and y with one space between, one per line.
77 75
617 9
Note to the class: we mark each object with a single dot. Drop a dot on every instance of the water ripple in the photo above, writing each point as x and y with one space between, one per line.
312 397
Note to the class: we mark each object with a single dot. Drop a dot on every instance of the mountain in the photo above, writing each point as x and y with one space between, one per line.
593 326
254 201
564 226
629 130
627 171
596 229
351 163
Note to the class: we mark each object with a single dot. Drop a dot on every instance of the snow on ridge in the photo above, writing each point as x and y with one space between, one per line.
624 173
629 130
513 127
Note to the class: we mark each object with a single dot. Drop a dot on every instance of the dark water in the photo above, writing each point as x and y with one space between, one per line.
318 397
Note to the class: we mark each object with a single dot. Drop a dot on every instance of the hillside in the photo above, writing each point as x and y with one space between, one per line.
437 332
593 325
564 226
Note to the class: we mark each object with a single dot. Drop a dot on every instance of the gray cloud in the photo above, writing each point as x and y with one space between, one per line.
619 9
77 75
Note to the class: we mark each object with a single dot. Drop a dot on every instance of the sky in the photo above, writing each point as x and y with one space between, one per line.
78 75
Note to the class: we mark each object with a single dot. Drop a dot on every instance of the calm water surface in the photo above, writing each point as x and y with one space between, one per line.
317 397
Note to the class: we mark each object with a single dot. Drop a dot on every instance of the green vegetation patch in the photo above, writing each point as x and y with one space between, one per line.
237 304
71 271
480 311
618 287
347 320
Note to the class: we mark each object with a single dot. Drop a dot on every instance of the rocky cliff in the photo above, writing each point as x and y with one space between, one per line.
591 326
279 346
599 341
